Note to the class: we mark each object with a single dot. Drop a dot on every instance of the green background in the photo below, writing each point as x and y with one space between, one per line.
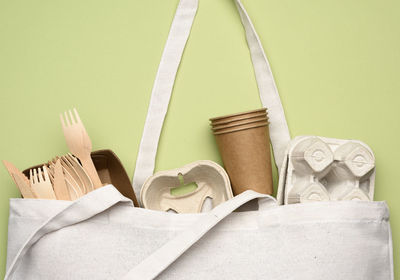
335 65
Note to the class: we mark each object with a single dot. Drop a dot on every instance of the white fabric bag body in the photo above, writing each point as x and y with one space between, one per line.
102 236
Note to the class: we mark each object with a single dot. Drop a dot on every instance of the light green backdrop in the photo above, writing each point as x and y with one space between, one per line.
335 64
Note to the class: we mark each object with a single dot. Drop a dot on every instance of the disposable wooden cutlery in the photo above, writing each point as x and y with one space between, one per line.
79 143
81 172
65 177
74 190
74 174
40 183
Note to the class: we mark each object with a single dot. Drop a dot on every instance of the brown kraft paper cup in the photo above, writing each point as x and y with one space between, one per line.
245 152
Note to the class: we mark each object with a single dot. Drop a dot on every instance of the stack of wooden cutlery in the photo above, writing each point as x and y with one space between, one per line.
66 177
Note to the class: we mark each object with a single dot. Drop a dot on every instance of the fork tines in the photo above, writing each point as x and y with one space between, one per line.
70 118
41 184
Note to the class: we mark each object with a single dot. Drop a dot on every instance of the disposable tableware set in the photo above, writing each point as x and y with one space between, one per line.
81 213
314 172
66 177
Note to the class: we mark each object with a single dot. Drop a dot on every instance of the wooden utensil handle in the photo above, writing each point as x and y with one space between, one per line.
88 164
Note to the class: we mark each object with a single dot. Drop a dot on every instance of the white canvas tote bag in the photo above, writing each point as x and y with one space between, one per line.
102 236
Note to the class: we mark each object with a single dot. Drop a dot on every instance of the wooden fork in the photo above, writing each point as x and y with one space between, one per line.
79 143
40 183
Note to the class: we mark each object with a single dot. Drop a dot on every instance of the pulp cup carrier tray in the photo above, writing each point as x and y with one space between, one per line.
211 179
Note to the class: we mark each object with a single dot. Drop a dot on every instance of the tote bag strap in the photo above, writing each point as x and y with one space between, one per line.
79 210
164 82
163 257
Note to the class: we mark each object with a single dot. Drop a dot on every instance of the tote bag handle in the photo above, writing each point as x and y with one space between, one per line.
163 257
106 197
78 211
165 78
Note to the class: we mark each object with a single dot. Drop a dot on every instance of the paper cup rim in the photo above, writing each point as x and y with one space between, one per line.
238 114
246 122
239 118
239 128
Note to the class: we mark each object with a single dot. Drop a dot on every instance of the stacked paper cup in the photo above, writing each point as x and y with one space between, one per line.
243 141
